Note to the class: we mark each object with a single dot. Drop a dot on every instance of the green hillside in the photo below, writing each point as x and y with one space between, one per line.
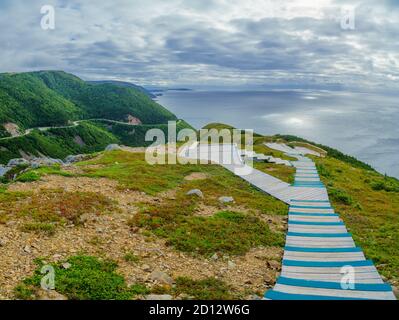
55 98
51 98
105 100
27 101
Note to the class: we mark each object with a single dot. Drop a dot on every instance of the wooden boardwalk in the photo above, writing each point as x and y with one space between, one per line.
230 157
321 260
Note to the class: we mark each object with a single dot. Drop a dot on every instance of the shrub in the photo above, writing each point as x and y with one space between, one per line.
207 289
88 278
340 196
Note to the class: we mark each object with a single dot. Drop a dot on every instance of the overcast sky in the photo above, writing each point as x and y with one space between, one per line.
207 42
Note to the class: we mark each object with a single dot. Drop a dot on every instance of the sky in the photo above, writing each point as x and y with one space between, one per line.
251 43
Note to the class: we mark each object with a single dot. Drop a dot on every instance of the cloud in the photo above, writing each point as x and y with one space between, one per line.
207 42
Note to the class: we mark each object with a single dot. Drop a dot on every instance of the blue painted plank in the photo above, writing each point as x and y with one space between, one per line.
315 214
296 200
277 295
304 186
333 285
327 264
310 207
316 223
302 249
320 235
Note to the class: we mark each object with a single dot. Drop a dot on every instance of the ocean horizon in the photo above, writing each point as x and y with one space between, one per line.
363 125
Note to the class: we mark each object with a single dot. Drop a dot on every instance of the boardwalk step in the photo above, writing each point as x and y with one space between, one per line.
334 285
302 249
327 264
317 223
277 295
319 235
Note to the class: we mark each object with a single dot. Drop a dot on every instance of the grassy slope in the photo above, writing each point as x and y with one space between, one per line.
371 214
331 152
367 200
174 219
57 143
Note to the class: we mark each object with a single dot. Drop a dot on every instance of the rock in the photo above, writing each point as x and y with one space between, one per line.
395 291
27 249
35 165
159 297
4 170
50 295
112 147
99 230
273 264
231 265
161 277
146 268
18 162
84 218
184 296
66 265
75 158
254 297
226 199
2 243
196 192
45 162
268 279
215 257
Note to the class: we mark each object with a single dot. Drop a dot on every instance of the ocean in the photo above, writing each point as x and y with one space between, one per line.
359 124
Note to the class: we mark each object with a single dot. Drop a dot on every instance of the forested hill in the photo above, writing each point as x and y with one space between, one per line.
125 84
50 98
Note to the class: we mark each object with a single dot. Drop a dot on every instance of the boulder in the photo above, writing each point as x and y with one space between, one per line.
215 257
75 158
274 265
161 277
254 297
226 199
112 147
395 291
45 162
4 170
66 265
146 268
195 192
49 295
159 297
18 162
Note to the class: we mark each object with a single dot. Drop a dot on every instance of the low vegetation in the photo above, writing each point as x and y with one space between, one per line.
57 143
369 204
206 289
45 210
86 278
330 151
36 174
279 171
174 217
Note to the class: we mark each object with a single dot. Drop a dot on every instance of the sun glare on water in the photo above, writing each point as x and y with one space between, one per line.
294 121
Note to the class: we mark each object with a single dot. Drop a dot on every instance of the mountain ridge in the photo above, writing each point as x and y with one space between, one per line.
49 98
